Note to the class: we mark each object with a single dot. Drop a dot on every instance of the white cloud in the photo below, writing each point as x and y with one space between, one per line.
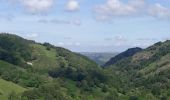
77 22
117 8
137 3
35 6
43 21
118 38
77 44
72 5
60 43
117 41
41 6
67 44
32 35
67 38
102 17
141 45
57 21
146 39
53 21
159 11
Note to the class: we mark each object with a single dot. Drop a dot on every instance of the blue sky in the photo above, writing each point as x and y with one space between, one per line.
88 25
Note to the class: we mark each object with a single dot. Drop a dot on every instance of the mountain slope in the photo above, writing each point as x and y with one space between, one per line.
14 49
50 72
123 55
147 70
7 88
54 73
19 51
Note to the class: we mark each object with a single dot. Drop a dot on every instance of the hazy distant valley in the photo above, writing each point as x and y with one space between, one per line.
101 57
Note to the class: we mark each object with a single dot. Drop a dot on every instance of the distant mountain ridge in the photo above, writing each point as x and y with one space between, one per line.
99 57
125 54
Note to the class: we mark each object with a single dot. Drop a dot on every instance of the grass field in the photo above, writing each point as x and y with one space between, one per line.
46 59
8 87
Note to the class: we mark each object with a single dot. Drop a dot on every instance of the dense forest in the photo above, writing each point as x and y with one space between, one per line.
41 71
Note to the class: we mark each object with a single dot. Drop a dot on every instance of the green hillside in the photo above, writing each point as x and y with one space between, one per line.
63 74
7 88
41 71
148 70
41 57
128 53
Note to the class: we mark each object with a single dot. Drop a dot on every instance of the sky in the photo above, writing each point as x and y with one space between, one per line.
88 25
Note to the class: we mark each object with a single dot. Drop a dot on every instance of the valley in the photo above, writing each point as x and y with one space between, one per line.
101 57
42 71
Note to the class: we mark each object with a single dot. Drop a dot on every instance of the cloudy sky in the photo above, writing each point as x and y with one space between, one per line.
88 25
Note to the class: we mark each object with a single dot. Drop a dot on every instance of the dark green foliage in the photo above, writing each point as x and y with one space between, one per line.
133 98
48 46
113 95
14 49
164 98
31 95
128 53
86 79
12 73
104 88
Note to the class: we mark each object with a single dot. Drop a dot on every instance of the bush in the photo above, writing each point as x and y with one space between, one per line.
164 98
85 79
133 98
50 91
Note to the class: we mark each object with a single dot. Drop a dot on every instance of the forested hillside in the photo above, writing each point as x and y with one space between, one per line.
49 73
41 71
123 55
147 72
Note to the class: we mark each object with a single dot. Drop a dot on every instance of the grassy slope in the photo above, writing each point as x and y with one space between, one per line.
44 59
6 65
49 59
7 87
156 67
